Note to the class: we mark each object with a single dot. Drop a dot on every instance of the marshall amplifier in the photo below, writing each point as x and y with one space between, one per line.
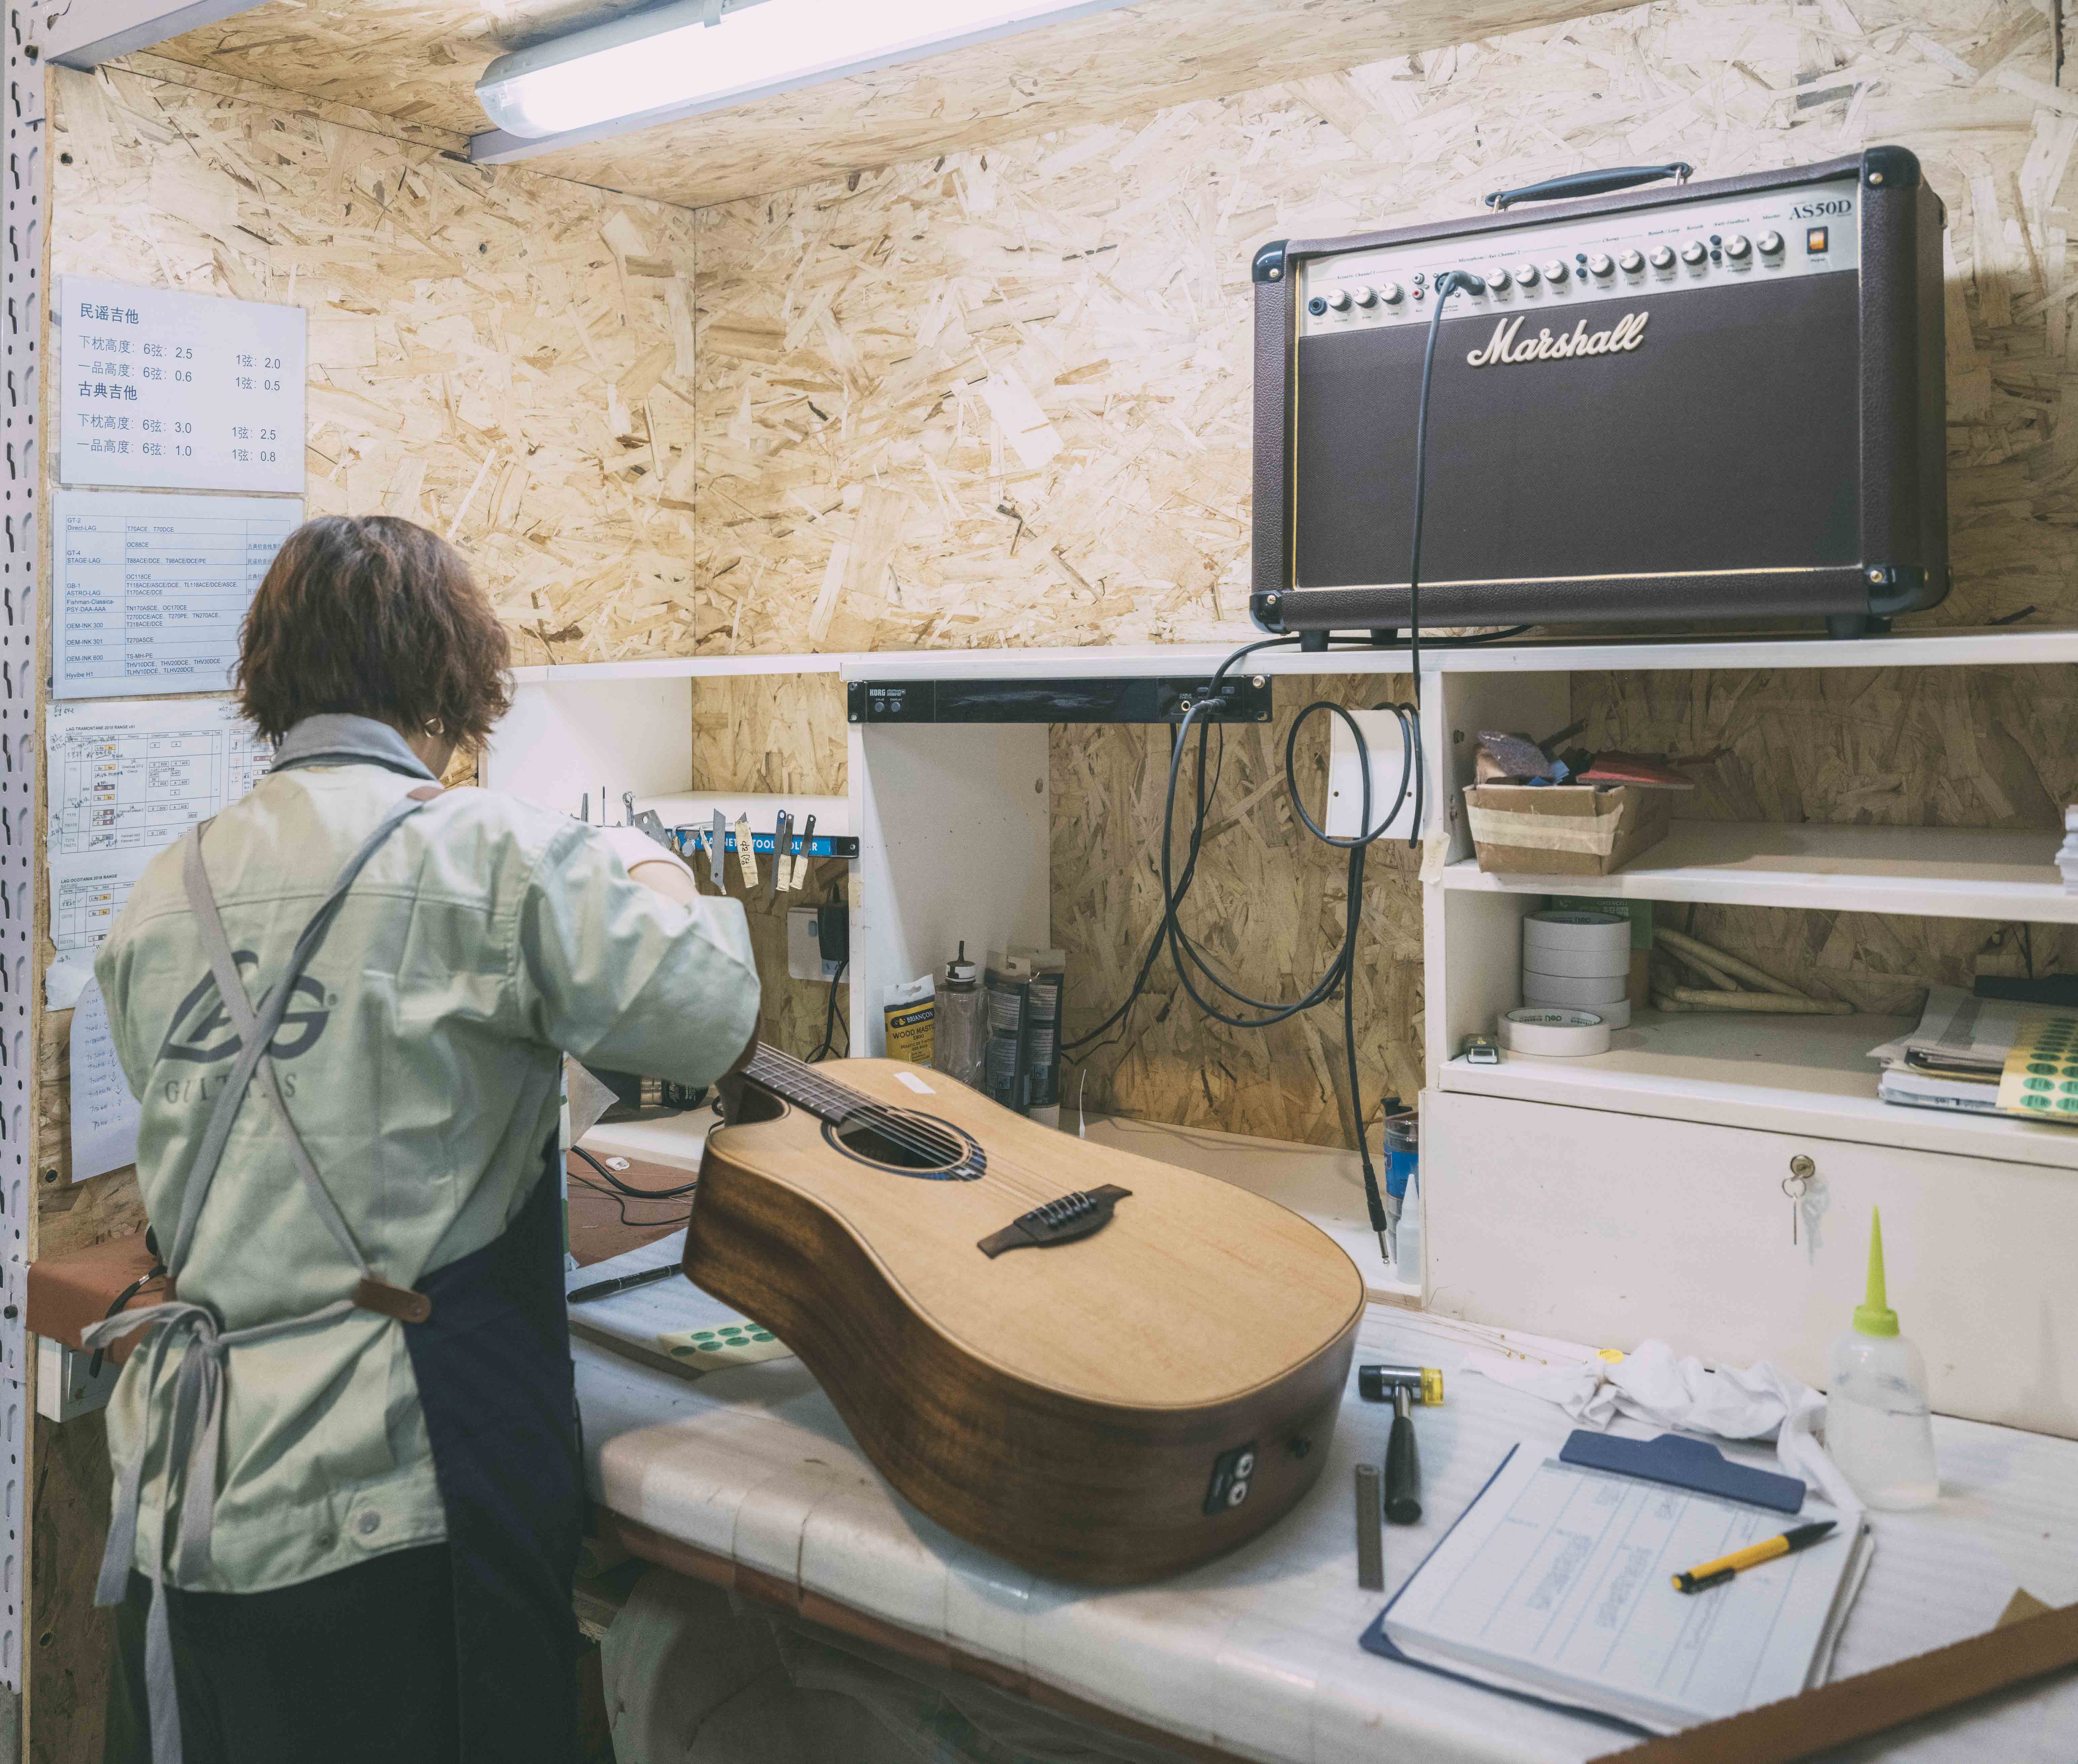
1706 401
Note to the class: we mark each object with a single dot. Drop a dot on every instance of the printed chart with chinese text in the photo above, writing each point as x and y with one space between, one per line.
179 392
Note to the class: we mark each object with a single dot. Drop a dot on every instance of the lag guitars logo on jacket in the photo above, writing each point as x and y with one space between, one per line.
1627 333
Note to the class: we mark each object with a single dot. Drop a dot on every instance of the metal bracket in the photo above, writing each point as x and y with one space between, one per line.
23 140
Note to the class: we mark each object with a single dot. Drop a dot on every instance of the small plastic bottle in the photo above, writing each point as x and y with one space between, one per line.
962 1032
1878 1426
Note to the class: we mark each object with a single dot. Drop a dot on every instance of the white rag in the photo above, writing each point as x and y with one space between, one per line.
1651 1385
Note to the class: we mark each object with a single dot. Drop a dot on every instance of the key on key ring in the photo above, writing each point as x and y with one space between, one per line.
1794 1185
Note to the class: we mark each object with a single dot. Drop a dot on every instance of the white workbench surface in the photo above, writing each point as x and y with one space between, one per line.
1256 1653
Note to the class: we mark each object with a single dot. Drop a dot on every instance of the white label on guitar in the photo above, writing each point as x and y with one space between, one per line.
914 1084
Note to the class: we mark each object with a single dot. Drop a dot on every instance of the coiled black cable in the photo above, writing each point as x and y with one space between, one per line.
1341 972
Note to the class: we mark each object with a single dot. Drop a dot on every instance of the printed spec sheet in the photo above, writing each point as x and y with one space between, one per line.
179 392
151 589
128 778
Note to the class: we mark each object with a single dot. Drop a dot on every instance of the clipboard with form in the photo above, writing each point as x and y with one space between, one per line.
1557 1585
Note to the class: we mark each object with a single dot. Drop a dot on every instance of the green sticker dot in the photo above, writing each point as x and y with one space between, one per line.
2035 1102
2038 1084
2043 1070
2068 1104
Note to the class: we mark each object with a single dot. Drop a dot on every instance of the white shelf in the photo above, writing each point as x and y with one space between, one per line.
1777 1074
1948 872
1952 647
1949 648
677 667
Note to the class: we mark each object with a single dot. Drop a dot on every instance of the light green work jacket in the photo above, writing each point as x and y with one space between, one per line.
420 1061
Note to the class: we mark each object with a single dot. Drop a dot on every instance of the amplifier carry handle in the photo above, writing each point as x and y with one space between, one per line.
1590 183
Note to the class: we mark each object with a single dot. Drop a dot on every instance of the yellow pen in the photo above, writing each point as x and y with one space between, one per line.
1711 1574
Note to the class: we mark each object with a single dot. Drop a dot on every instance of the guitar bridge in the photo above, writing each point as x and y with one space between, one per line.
1078 1213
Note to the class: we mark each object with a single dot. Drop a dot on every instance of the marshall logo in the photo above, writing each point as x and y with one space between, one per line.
202 1019
1627 333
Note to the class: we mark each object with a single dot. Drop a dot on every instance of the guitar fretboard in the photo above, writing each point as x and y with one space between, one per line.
796 1082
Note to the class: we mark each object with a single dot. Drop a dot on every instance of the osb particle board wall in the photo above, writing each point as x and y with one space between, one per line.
1267 909
1003 397
505 356
783 733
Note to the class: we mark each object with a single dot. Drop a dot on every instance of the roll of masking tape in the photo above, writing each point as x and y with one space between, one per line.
1532 1031
1604 932
1577 964
1571 991
1615 1011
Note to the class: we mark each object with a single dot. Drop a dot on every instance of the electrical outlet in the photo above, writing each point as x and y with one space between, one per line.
64 1386
1387 753
805 959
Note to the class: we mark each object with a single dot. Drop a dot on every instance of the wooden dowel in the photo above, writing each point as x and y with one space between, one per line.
1782 1004
1716 977
1681 942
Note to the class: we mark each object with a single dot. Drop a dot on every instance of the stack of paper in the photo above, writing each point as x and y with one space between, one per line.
1559 1584
1979 1056
2067 855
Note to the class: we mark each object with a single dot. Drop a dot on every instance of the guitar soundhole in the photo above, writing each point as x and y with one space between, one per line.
908 1144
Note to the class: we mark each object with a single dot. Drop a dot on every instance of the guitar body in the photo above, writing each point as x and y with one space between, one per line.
1076 1406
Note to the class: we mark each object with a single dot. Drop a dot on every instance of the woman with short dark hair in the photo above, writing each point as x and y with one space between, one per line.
347 1494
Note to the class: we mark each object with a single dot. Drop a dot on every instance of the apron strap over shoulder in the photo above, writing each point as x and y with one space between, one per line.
256 1029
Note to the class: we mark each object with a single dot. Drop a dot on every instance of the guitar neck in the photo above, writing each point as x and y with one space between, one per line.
796 1082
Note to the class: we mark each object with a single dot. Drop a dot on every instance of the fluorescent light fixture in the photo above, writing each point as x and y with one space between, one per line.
677 60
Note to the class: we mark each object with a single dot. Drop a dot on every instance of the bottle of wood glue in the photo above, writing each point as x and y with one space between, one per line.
1878 1426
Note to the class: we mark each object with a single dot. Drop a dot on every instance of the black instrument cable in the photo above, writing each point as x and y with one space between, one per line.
830 1017
1341 972
618 1187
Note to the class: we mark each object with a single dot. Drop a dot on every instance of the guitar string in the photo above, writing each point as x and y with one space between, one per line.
888 1120
1012 1177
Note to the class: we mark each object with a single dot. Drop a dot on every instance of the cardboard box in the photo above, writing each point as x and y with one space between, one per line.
1564 830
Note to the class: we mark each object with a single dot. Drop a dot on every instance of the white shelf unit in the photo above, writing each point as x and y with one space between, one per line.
1638 1193
1631 1195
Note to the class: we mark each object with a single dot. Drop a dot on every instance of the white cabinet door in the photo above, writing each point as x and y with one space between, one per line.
1612 1229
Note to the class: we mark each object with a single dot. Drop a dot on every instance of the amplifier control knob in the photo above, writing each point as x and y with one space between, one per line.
1498 278
1694 251
1339 300
1771 245
1632 263
1367 297
1599 264
1390 293
1663 257
1736 248
1526 274
1556 272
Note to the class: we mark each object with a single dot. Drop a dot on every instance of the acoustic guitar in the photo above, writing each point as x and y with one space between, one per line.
1105 1368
